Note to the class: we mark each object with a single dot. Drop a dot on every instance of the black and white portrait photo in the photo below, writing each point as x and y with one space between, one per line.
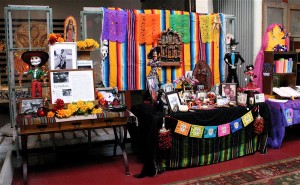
61 77
31 105
63 59
63 55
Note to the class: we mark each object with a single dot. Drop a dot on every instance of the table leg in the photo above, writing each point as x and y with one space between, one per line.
121 142
24 158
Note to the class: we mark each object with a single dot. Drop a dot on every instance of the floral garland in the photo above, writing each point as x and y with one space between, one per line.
77 108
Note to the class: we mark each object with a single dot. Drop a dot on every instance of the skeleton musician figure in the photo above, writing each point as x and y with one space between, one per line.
232 60
35 59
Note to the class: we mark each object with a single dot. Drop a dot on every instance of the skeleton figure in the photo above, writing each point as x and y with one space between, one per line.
35 59
104 49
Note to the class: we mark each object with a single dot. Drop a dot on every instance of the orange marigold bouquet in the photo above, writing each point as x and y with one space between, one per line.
55 37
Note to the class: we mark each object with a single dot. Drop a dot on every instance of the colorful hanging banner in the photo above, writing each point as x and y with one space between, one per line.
182 128
236 125
197 131
181 24
148 28
223 130
210 131
247 118
114 25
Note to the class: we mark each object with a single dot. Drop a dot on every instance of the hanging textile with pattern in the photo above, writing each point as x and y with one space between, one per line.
181 24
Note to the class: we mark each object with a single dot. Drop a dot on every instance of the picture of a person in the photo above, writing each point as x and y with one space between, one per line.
61 60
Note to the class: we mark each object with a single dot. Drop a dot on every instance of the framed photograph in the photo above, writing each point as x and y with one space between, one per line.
152 84
188 74
259 98
109 93
229 90
173 101
63 55
72 85
168 87
30 105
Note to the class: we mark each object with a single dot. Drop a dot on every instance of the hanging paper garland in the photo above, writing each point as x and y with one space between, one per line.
247 118
223 130
197 131
183 128
210 131
236 125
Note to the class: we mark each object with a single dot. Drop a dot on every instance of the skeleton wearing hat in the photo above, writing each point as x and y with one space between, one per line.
35 59
232 60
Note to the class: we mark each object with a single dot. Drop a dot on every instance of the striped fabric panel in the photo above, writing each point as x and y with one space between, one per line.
126 65
190 152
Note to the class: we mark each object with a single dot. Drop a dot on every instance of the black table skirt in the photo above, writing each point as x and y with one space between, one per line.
156 160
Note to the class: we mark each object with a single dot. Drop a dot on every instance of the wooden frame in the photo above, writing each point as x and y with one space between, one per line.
293 20
30 105
63 55
229 90
72 85
173 101
272 8
70 29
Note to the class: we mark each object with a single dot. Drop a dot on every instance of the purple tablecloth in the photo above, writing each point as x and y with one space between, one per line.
280 112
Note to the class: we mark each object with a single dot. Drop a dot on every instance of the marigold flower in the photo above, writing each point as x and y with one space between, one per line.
50 114
60 113
90 105
73 107
97 110
80 103
68 113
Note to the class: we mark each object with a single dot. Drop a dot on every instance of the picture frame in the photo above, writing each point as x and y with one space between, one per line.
188 74
173 101
72 85
168 87
229 90
152 85
30 105
259 98
63 55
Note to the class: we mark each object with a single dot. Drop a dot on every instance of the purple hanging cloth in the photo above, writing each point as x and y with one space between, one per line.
114 25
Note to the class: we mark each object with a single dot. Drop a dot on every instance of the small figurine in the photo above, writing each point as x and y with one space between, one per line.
232 60
251 85
154 62
35 59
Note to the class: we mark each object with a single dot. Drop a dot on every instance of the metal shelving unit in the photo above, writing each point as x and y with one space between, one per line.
15 16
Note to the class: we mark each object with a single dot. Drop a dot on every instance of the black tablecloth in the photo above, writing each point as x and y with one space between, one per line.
150 122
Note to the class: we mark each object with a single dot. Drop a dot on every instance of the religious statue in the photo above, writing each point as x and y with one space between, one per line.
35 59
70 29
232 58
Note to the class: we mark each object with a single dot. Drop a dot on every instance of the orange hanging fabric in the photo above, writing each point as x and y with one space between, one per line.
148 28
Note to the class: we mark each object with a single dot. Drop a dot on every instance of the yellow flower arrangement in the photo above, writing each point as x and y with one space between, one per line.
77 108
87 44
